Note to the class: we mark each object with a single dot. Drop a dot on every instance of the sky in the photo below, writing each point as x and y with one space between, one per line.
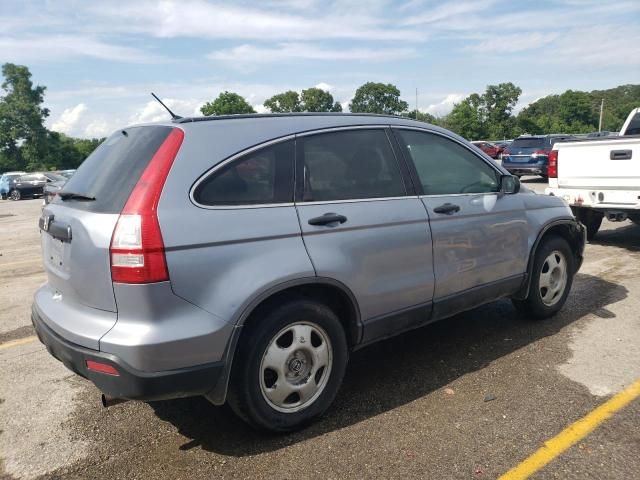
100 59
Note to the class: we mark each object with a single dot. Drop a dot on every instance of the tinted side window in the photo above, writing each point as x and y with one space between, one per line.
261 177
350 164
446 168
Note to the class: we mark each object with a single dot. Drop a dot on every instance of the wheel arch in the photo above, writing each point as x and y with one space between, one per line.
333 293
569 229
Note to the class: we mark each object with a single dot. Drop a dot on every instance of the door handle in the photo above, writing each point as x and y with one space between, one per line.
447 208
620 155
327 218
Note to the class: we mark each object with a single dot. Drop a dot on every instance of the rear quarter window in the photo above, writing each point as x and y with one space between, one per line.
263 176
113 169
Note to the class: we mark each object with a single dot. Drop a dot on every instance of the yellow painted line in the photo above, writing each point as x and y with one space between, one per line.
573 434
18 342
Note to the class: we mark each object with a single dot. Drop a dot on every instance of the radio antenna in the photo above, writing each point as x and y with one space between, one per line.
173 115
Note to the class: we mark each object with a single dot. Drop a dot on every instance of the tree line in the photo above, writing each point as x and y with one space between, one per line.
26 144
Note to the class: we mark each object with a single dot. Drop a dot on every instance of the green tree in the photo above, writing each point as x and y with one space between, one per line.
285 102
487 115
378 98
317 100
421 116
498 102
22 132
570 112
467 118
227 103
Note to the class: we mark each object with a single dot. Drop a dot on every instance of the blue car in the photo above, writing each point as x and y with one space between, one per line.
529 155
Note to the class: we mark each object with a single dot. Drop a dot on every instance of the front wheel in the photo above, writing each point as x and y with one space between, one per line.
15 195
552 277
290 366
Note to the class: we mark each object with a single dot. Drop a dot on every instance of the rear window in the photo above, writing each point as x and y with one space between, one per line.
527 143
112 170
634 126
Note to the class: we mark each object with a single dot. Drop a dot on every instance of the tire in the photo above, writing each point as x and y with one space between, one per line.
15 195
284 350
552 277
590 219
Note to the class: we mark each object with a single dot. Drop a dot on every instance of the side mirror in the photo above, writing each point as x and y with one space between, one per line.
509 184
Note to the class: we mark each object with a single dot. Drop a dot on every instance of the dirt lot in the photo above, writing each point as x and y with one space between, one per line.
413 406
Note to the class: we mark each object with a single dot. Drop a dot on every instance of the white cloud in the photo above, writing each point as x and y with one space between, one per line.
69 119
200 19
447 11
152 111
99 128
324 86
445 105
601 46
51 48
248 56
513 43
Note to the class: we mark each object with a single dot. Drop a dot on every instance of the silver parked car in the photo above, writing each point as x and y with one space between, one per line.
243 257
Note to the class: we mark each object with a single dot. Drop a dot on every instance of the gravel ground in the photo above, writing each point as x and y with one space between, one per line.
413 406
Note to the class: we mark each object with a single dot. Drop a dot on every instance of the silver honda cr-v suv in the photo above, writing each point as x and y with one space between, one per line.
243 257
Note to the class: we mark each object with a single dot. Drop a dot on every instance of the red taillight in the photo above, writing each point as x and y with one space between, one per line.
541 153
137 248
102 368
552 171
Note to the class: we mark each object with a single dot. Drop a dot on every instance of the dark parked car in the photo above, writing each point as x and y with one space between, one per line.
5 180
489 148
30 185
529 155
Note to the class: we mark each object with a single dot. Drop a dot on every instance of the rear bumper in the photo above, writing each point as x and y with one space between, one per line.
524 169
599 199
130 383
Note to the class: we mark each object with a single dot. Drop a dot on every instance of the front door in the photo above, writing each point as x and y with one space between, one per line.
362 227
479 234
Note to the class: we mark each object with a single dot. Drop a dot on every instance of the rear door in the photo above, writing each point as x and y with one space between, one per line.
363 226
76 232
479 234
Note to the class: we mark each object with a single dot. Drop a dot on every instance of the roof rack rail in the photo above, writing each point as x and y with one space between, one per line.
271 115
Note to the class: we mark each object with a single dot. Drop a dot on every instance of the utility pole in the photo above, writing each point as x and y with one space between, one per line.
416 103
601 110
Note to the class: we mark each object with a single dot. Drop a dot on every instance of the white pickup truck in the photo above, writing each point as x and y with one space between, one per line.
599 177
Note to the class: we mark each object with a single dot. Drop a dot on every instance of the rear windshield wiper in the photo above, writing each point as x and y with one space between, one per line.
74 196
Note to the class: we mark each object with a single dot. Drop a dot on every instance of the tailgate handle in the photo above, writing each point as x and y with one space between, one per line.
620 155
56 230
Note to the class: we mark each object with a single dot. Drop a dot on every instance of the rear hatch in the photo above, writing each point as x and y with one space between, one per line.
78 224
531 150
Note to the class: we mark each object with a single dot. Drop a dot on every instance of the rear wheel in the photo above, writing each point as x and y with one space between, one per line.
289 366
552 277
15 195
